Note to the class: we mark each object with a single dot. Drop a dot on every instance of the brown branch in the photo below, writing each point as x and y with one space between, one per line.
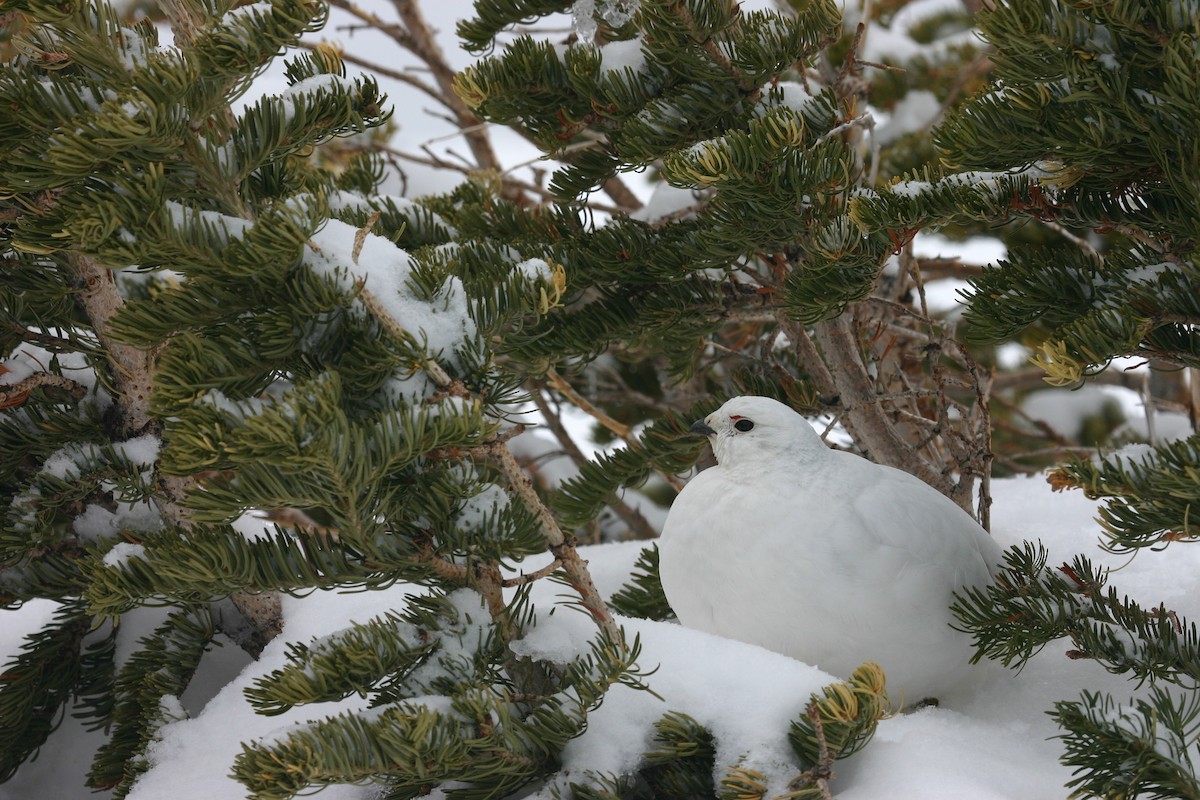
530 577
15 393
562 547
559 384
620 194
258 617
820 773
488 580
432 160
131 368
422 43
863 417
396 75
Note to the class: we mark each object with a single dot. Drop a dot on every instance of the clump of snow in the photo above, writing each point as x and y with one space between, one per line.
301 91
622 55
16 370
67 461
229 227
895 43
794 95
708 689
444 322
535 269
122 552
614 12
251 9
410 388
478 509
97 521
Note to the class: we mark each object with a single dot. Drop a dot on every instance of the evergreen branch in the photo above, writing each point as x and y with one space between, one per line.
488 578
579 401
1150 501
479 31
355 660
681 762
838 723
473 734
203 564
379 69
1028 607
643 595
663 445
156 673
416 746
35 684
1141 749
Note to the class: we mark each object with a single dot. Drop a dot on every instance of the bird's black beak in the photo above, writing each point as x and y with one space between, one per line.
700 428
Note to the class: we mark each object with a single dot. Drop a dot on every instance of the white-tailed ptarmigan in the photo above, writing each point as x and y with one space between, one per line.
820 554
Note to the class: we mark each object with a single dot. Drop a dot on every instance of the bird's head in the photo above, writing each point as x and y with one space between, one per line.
748 430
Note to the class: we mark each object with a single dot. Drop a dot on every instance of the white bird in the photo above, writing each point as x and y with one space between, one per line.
820 554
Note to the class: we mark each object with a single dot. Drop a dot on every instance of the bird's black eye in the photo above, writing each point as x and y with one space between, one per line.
744 425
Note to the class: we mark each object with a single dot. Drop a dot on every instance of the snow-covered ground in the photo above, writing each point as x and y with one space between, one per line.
996 743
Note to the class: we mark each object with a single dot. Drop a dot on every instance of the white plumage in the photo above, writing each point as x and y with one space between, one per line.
820 554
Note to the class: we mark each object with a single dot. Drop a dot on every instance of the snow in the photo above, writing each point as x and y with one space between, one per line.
97 522
666 201
794 95
536 269
27 359
914 113
67 461
301 91
943 296
997 743
384 269
622 55
229 226
122 552
894 44
707 689
614 12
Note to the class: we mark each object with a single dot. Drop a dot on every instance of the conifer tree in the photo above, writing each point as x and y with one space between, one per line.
202 323
1095 106
205 319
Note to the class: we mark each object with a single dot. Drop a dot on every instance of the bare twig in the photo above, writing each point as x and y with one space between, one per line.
638 525
379 69
530 577
422 43
559 384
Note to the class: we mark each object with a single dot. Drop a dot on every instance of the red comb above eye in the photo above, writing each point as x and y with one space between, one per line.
736 416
